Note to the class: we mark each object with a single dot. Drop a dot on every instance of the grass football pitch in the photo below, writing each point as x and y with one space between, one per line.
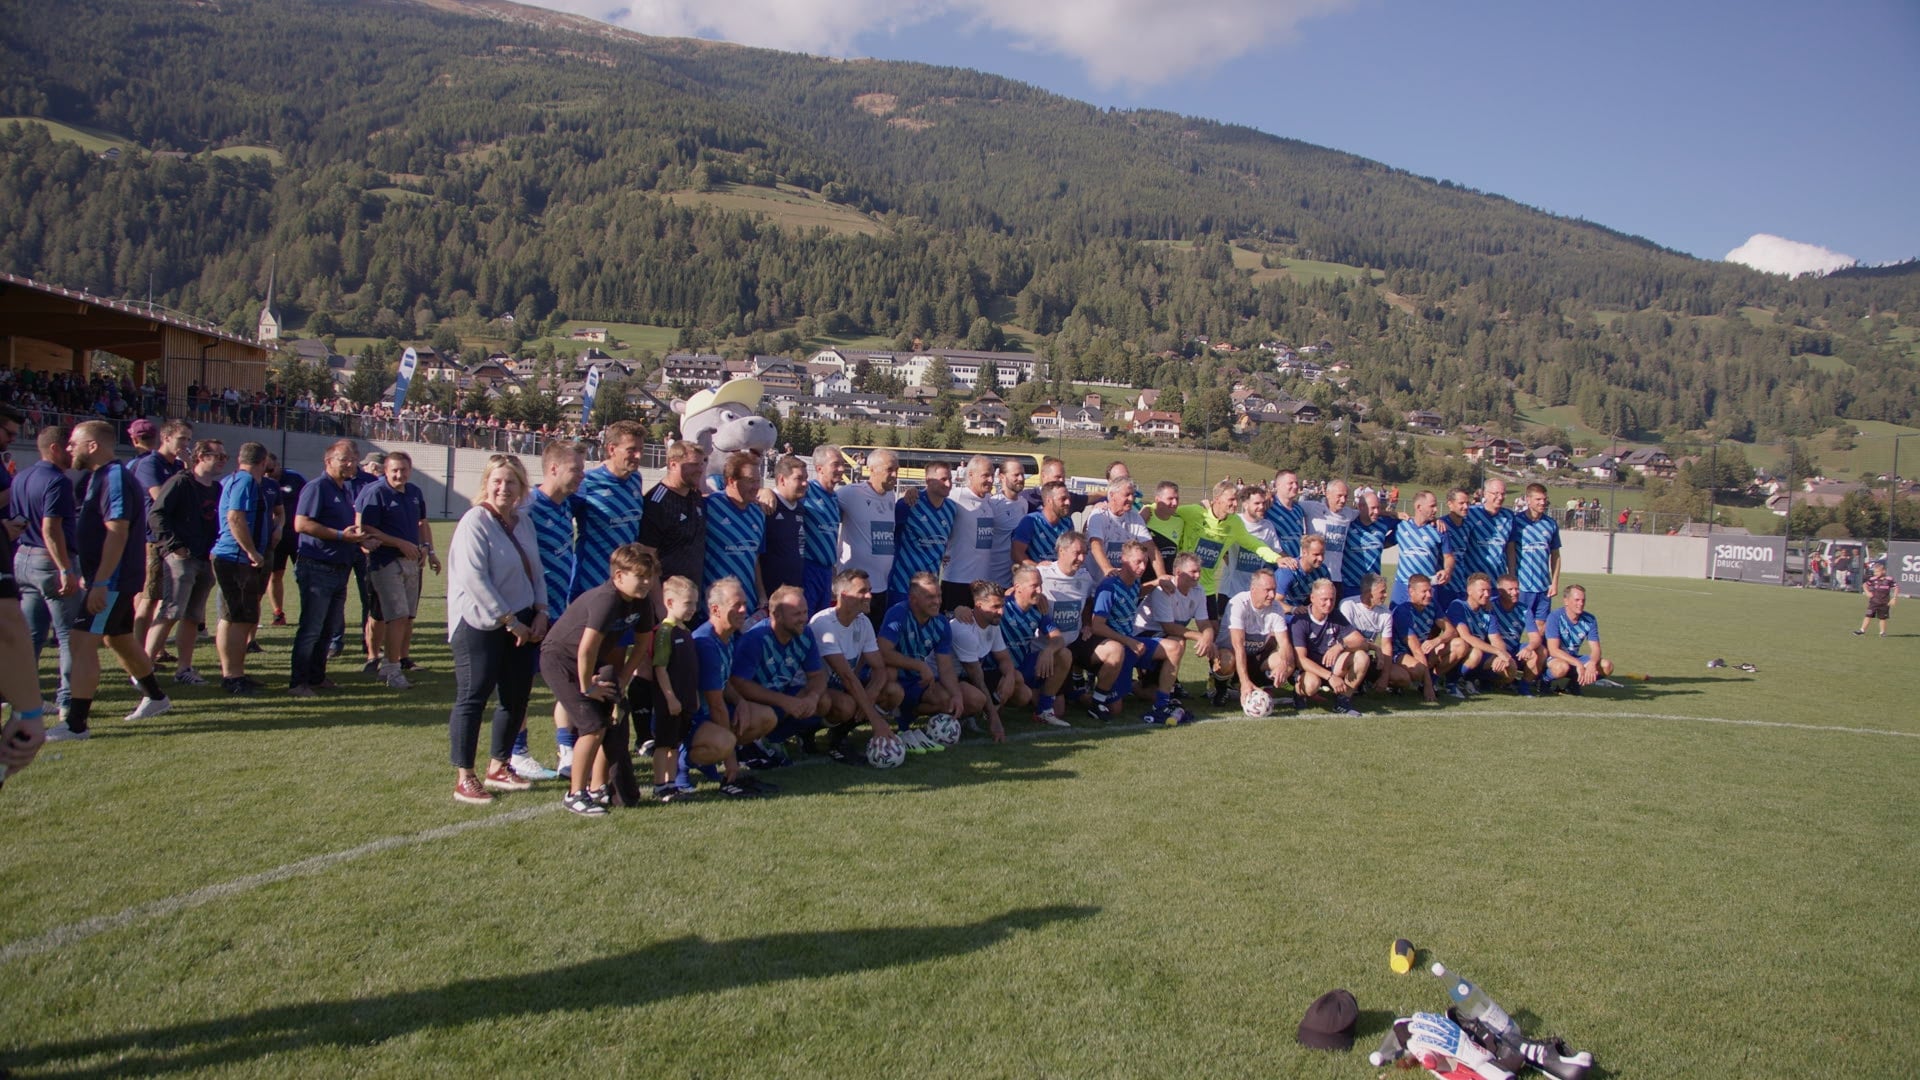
1710 873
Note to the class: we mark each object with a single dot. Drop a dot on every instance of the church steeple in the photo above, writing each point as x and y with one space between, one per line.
268 332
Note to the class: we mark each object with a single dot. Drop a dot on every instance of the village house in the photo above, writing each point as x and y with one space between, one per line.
1493 453
1651 462
1426 422
695 370
1548 457
986 418
1156 425
1600 467
590 333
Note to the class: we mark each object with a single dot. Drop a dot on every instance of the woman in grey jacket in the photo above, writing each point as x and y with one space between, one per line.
496 616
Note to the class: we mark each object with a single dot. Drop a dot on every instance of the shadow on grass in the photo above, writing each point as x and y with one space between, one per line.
664 970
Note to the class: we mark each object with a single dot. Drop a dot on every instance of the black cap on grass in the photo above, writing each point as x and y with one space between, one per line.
1330 1021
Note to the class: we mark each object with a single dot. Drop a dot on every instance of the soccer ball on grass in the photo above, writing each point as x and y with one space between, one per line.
1256 702
943 729
886 752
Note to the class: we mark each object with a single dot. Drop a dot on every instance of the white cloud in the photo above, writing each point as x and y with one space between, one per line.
1778 255
1136 42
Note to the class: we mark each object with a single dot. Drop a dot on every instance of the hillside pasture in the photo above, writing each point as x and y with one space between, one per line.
787 206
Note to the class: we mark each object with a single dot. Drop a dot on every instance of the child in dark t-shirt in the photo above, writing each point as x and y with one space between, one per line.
676 684
585 666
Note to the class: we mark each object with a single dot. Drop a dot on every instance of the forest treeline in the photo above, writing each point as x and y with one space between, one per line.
439 164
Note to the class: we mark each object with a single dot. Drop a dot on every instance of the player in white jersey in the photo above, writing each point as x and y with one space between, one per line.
1368 612
866 524
1114 522
1177 611
1330 520
983 524
1238 562
981 653
850 650
1259 652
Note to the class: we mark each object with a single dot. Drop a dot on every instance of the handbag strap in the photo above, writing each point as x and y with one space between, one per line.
526 564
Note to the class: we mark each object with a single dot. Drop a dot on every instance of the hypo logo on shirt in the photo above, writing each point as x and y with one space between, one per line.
1209 552
882 538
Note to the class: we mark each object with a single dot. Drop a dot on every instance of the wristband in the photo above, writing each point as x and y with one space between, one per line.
29 714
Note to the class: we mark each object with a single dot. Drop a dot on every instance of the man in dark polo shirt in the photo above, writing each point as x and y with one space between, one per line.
183 524
113 570
328 550
781 562
674 526
44 561
373 468
166 459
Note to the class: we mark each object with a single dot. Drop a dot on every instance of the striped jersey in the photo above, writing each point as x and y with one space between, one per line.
1118 602
1423 549
1296 586
820 539
1485 550
1538 538
1366 542
915 639
1514 623
759 657
1573 633
1478 623
1024 629
735 537
1289 524
607 510
1410 621
1040 535
921 532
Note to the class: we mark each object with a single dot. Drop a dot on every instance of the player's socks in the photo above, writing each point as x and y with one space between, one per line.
78 710
520 744
562 737
1161 700
150 686
1045 703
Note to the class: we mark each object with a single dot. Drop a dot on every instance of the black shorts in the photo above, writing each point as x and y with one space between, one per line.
282 556
955 594
114 620
877 607
241 585
1257 671
585 715
1082 652
1877 611
1217 606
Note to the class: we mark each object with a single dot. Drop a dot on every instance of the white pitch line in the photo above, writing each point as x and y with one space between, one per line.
74 933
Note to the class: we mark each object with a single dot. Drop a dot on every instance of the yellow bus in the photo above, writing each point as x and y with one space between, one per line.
914 462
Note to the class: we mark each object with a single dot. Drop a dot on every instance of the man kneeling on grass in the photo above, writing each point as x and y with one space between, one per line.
722 722
1259 652
917 643
1122 647
1330 652
777 664
1420 640
1519 634
585 666
1569 631
1478 653
855 669
985 661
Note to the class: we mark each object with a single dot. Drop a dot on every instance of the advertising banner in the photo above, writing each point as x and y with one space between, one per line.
586 397
1903 562
1733 557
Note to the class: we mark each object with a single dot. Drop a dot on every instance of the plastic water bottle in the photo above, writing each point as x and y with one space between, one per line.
1472 1003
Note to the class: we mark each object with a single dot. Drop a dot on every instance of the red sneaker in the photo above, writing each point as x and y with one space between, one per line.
468 790
503 778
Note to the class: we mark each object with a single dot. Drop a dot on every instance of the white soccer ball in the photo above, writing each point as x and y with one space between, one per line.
1256 702
943 729
886 753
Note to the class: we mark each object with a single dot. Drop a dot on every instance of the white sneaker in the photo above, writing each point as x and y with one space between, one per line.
150 708
63 733
1050 718
394 677
529 766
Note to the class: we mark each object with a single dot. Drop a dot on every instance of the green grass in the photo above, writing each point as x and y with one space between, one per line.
630 338
786 205
400 194
1620 868
92 140
274 157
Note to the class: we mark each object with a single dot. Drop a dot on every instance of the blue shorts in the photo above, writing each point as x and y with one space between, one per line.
1145 665
817 581
914 690
1537 605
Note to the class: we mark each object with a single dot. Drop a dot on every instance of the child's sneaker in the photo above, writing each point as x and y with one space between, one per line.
582 803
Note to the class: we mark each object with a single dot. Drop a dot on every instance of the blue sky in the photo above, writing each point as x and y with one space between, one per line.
1695 125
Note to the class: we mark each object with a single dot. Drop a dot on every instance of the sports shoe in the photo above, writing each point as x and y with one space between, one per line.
503 778
279 619
1343 706
846 755
164 657
1607 684
601 795
1299 702
565 765
1179 692
1099 710
1453 691
1221 695
758 786
150 708
326 684
1469 688
408 665
1049 718
370 667
671 793
1155 718
582 803
916 742
1523 687
1574 687
468 790
186 676
63 733
334 651
1859 633
397 680
236 685
255 647
301 691
736 790
528 766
